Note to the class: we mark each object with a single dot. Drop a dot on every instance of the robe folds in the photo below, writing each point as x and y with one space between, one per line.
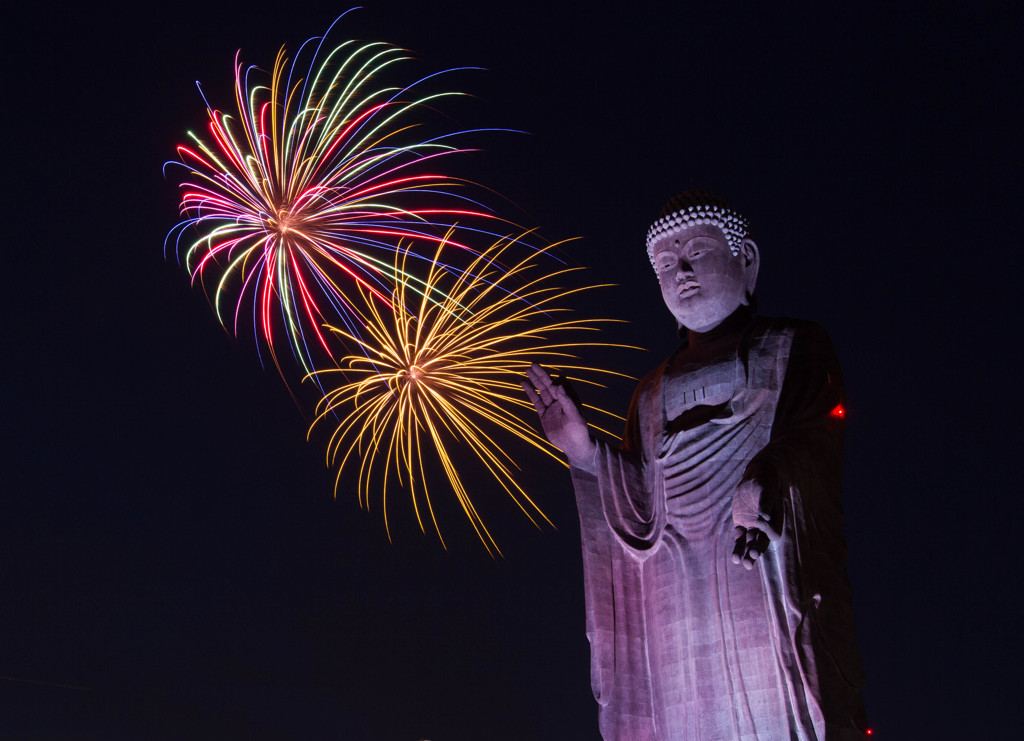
684 643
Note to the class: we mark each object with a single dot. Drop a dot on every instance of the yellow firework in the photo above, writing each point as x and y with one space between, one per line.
439 377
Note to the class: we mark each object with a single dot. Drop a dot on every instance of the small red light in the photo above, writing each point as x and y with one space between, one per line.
869 730
840 413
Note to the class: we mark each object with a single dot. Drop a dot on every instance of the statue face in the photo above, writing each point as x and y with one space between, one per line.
702 282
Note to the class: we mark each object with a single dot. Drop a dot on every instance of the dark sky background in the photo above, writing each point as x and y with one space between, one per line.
173 563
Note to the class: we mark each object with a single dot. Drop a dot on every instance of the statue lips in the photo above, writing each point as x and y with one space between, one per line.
688 288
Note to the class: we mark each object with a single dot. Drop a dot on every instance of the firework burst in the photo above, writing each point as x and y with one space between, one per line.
310 189
438 378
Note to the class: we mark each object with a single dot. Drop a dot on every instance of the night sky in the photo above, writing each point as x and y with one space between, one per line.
173 562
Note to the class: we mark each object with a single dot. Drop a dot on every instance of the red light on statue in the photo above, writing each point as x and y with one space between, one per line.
838 412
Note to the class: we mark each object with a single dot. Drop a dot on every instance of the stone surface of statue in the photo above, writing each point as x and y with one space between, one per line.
718 603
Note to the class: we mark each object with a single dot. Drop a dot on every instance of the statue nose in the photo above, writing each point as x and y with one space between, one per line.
684 269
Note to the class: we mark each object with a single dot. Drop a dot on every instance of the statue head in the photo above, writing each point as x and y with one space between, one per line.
705 260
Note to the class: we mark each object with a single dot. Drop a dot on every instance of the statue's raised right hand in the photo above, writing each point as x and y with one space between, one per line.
560 417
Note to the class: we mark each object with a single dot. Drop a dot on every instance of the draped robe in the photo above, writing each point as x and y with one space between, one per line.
684 643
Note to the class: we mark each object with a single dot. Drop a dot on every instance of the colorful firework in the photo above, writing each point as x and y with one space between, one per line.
438 376
308 192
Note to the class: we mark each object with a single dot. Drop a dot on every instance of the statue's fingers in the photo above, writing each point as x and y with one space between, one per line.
569 394
533 376
542 382
757 543
539 376
532 394
534 373
771 523
563 382
747 549
740 549
564 400
544 395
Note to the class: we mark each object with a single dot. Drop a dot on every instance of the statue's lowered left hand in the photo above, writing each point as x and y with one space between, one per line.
757 515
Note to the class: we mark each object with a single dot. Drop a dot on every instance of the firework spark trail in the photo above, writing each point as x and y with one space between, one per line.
308 192
438 375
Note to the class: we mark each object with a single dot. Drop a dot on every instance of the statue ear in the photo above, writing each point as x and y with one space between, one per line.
751 257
